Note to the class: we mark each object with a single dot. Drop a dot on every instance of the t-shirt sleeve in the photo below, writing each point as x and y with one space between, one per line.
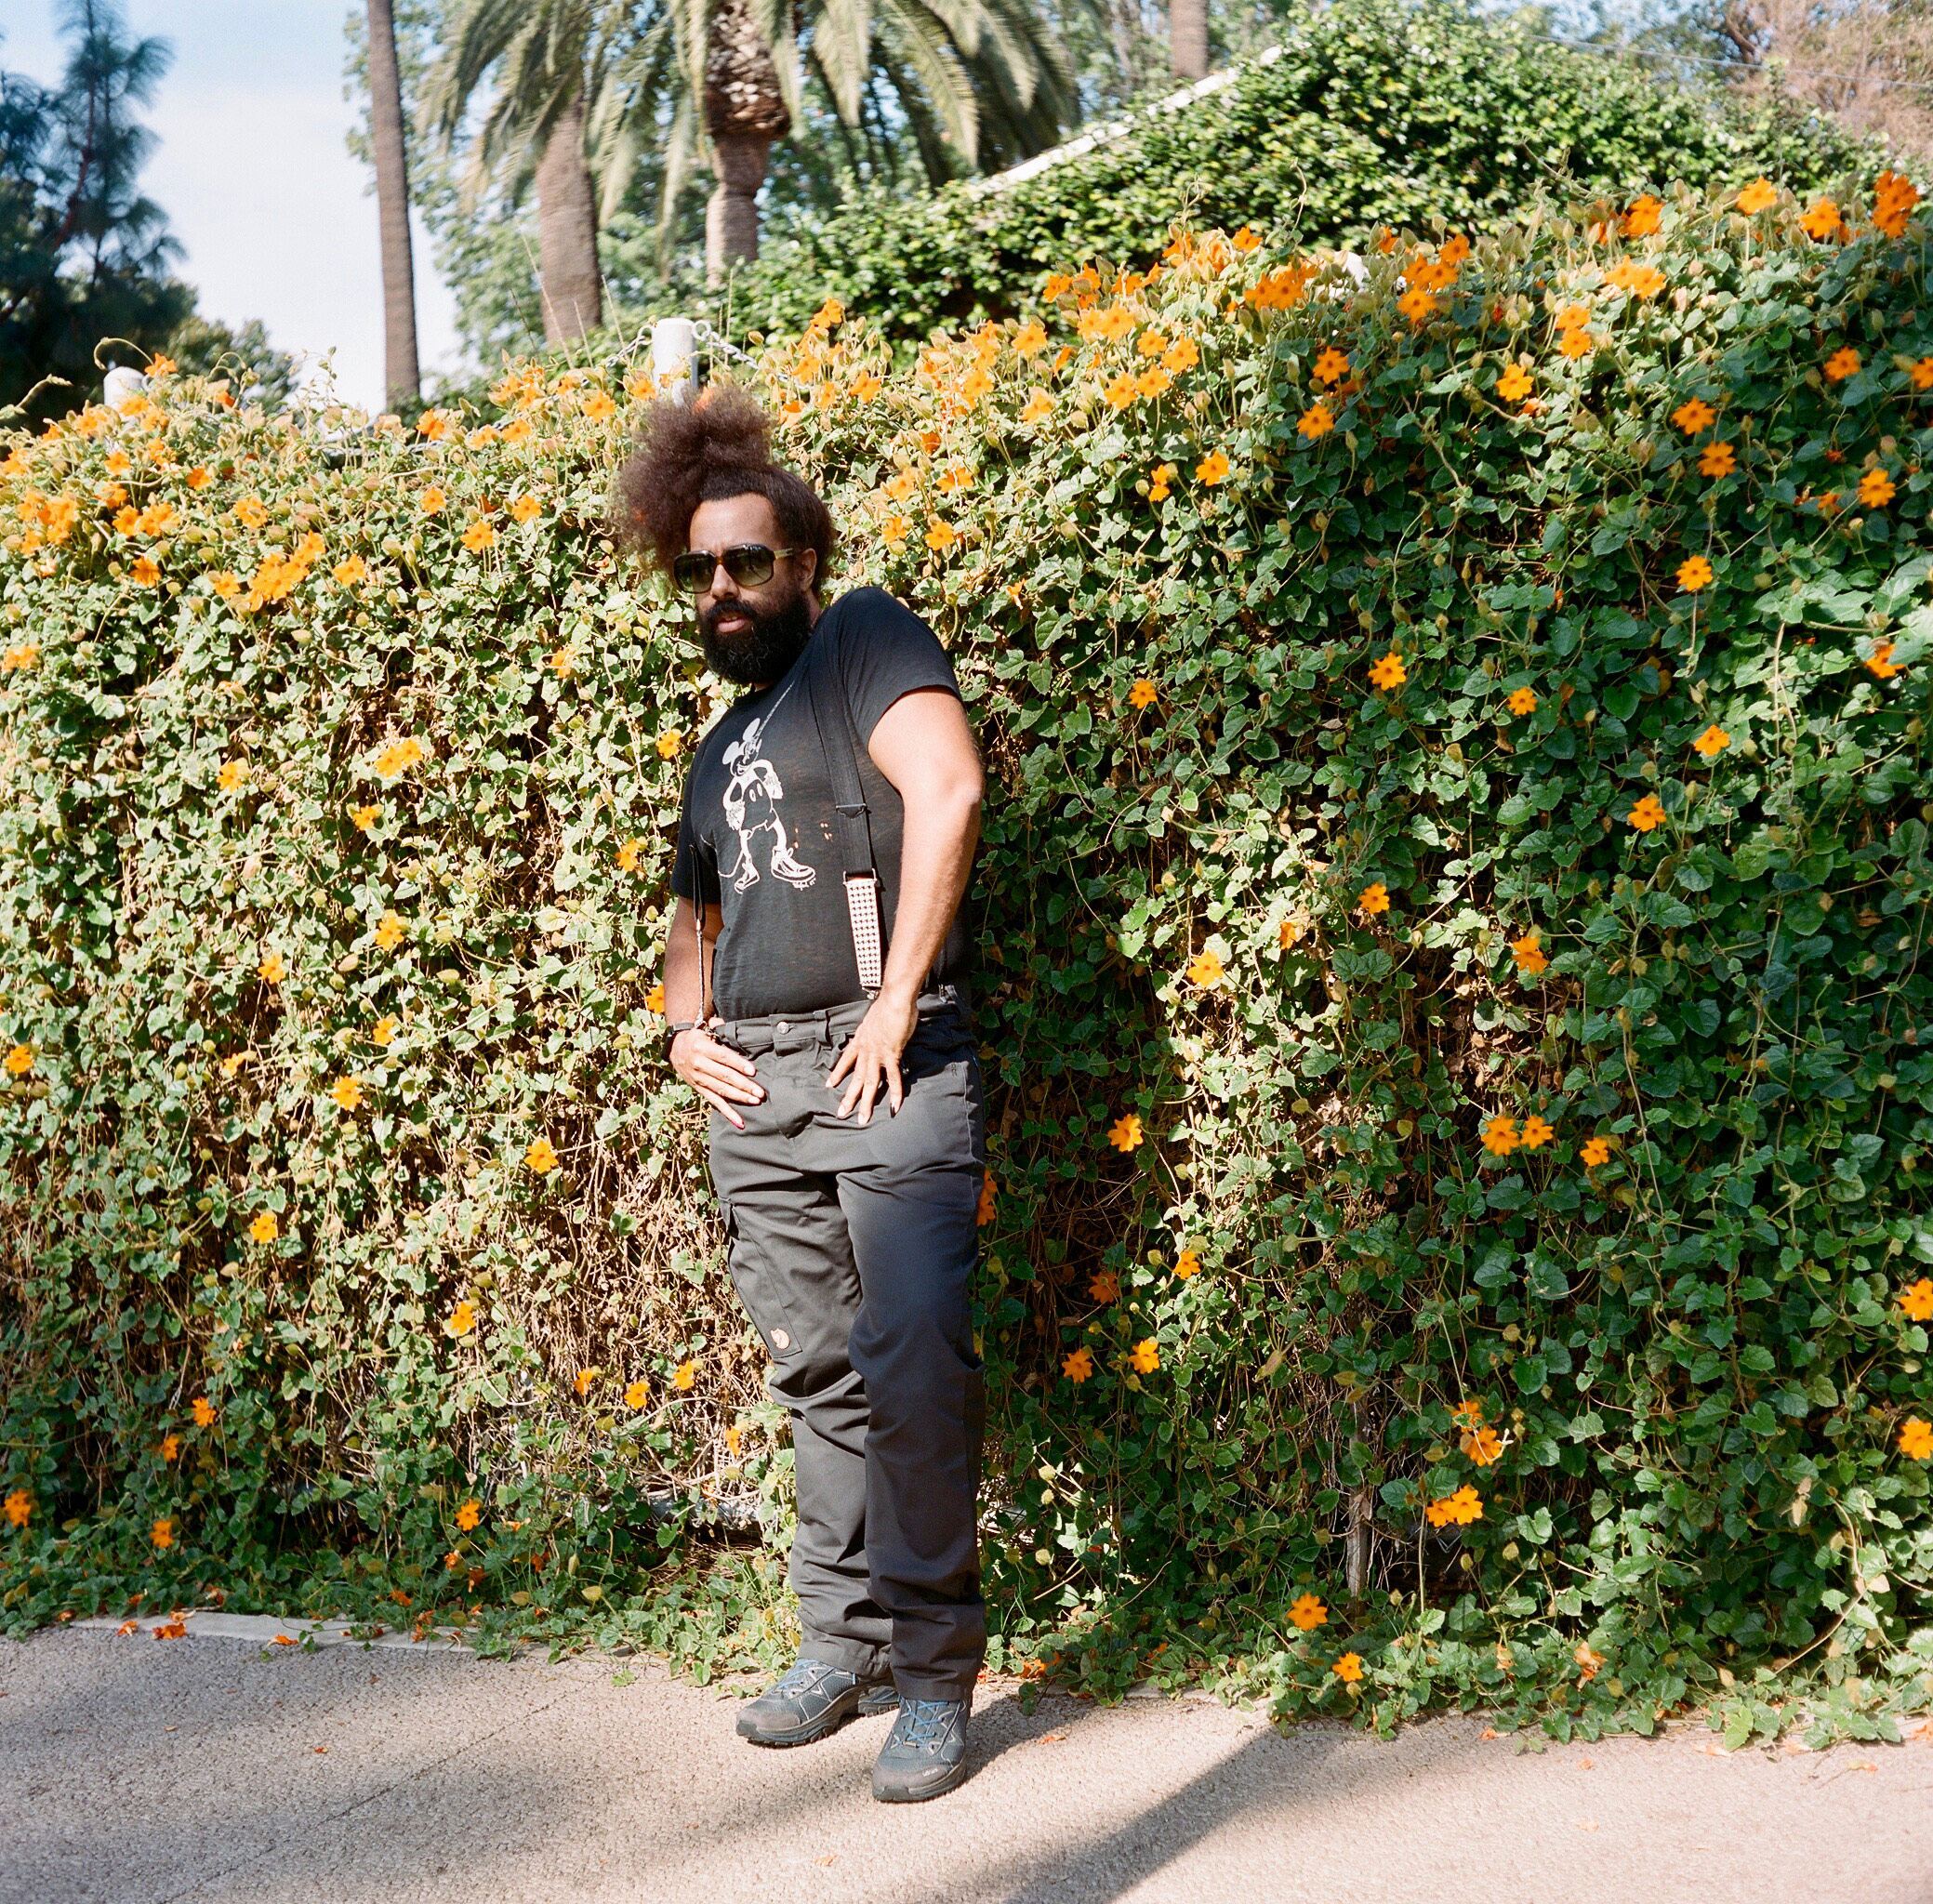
886 651
684 859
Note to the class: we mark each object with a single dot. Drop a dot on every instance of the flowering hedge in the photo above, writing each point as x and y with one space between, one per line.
1374 112
1455 880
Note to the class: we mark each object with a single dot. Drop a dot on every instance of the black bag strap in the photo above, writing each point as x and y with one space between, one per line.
826 702
825 697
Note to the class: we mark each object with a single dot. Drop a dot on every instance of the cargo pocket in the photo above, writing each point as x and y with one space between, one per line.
757 1288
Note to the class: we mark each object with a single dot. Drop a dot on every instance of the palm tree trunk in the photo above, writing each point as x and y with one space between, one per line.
1188 38
744 113
401 376
573 287
731 216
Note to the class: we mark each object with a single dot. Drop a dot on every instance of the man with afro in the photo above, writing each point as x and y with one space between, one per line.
820 1009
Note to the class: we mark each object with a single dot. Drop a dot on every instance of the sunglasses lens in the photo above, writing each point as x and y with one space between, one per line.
749 564
692 570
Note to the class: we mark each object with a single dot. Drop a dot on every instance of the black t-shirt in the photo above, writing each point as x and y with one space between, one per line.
758 801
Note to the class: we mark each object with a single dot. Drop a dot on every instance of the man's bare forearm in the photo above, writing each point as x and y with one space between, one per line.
682 970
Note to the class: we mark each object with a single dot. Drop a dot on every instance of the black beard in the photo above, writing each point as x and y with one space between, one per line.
764 649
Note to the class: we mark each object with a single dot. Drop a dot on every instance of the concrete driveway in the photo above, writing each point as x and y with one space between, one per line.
216 1767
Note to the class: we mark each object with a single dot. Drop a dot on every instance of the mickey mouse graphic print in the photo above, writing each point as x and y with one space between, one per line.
760 829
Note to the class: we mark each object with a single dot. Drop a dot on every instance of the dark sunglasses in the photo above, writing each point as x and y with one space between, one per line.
747 563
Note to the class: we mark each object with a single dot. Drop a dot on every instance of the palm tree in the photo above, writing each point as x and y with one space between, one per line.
1188 38
402 378
549 56
714 83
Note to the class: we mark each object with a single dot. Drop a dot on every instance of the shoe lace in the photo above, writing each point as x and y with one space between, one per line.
804 1675
924 1722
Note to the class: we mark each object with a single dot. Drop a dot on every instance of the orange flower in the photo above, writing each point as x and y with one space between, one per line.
1181 355
1373 899
249 512
1712 741
1204 969
1187 1265
1922 374
348 1092
1842 363
233 776
540 1157
478 536
654 999
1331 365
1077 1367
1038 407
599 407
1482 1445
1349 1669
1880 662
1105 1286
1757 196
1307 1612
941 537
1121 392
1456 1510
462 1320
19 1508
1316 421
469 1514
203 1412
383 1031
1288 933
1125 1133
1516 384
1522 701
271 970
1876 489
1389 672
629 855
224 584
1694 573
265 1229
1916 1439
1596 1152
525 508
1575 343
1821 219
1212 468
390 931
1144 694
1649 812
1893 200
1641 280
1030 339
199 478
1588 1662
348 574
1694 415
988 1207
669 743
1530 954
145 572
1916 1299
1536 1133
1718 459
162 1532
581 1381
637 1393
432 501
1145 1357
683 1376
1644 217
1500 1136
1416 304
365 817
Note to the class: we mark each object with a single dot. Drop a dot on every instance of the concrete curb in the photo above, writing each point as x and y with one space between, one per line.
268 1629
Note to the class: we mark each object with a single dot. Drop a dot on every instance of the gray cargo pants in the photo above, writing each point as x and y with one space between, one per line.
851 1247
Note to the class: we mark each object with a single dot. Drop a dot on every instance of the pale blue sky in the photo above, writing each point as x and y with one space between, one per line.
257 184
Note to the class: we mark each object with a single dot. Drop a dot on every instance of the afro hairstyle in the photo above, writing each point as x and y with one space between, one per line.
707 450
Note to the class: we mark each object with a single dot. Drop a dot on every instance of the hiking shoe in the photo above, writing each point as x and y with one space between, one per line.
812 1699
925 1753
